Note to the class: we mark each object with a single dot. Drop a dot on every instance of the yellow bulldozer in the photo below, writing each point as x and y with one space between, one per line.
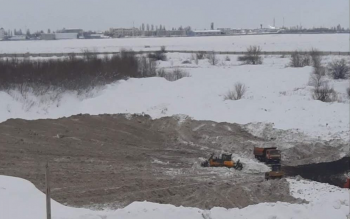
275 173
224 161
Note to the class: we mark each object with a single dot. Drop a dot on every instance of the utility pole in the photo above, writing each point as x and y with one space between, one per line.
48 192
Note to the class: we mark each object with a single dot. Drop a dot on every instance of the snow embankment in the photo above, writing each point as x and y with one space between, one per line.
20 199
275 94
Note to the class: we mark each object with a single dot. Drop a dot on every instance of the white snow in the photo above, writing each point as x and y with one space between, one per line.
275 94
276 42
20 199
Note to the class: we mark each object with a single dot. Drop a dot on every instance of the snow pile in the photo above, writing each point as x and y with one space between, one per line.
275 94
20 199
325 200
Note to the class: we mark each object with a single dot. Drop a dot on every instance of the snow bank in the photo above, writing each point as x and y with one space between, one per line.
283 42
276 94
20 199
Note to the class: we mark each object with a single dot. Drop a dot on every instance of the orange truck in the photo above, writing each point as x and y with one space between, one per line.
267 155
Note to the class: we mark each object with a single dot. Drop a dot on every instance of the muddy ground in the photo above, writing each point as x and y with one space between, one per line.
113 160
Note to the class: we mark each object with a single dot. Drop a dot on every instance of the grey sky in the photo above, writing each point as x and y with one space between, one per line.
103 14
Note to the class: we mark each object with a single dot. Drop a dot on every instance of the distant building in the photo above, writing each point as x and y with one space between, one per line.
65 36
124 32
88 35
2 34
18 37
72 33
207 33
47 36
71 30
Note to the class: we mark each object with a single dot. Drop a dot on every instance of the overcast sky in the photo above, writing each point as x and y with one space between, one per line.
103 14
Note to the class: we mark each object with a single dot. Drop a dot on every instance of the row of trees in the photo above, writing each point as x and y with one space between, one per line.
148 27
27 32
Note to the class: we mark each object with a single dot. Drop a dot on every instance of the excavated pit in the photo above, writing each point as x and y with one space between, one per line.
113 160
333 173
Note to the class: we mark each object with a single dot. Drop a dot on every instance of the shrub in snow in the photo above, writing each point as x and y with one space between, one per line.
324 93
338 69
196 61
159 55
316 58
200 55
299 59
252 57
147 67
163 49
186 62
237 93
174 75
213 60
227 58
73 73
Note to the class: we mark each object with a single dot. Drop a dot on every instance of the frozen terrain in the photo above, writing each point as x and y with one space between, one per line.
278 100
20 199
276 94
324 42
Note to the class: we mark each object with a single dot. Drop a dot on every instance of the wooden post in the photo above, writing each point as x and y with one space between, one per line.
48 192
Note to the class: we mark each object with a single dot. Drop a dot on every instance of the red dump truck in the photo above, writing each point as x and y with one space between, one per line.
267 155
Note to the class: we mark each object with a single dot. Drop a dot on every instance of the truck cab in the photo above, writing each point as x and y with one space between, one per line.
273 155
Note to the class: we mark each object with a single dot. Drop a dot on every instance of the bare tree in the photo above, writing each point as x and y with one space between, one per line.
317 80
213 60
348 92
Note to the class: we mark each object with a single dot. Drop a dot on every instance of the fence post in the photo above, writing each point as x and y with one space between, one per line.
48 192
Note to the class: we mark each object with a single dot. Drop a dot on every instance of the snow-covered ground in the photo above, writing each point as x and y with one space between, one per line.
275 94
20 199
323 42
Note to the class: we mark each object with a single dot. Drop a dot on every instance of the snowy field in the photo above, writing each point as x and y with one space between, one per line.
276 94
20 199
323 42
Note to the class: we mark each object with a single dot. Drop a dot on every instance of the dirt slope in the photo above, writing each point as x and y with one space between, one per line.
114 160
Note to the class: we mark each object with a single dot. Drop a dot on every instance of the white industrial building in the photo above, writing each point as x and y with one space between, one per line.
207 32
18 37
65 36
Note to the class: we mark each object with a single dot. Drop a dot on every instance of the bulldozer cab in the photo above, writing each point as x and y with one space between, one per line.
226 157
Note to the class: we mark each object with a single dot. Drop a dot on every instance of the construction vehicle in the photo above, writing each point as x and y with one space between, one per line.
224 161
267 155
275 173
347 184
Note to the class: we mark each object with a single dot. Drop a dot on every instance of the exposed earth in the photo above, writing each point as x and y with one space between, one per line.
113 160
